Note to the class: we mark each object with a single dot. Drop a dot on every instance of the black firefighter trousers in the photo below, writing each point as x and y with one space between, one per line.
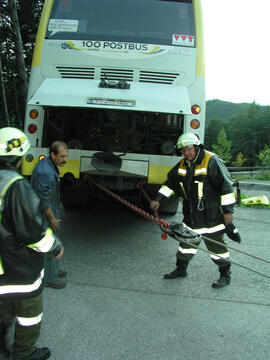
220 251
28 314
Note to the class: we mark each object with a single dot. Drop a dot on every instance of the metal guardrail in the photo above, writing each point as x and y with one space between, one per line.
248 168
251 171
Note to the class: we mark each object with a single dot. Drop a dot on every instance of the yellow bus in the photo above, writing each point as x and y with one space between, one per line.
119 81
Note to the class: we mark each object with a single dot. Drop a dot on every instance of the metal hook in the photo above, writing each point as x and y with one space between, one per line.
200 206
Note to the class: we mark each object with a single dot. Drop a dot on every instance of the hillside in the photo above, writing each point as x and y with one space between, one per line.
222 109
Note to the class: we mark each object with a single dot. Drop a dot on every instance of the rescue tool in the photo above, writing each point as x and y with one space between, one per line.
179 232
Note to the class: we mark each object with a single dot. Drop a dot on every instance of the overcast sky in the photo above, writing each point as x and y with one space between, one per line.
237 50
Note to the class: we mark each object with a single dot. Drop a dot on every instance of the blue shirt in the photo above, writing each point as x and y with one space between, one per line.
46 183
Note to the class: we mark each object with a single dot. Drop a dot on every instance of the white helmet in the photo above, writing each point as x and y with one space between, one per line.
186 140
13 144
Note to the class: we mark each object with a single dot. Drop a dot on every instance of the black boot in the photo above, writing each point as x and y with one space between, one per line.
39 354
4 352
180 271
224 278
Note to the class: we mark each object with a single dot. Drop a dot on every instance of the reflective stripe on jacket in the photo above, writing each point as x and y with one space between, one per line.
23 239
206 189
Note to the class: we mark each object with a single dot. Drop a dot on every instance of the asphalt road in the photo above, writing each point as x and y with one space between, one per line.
118 306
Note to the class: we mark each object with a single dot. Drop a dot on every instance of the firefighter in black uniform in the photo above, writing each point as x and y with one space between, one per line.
23 242
205 185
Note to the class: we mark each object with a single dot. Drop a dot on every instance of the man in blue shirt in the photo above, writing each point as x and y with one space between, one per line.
46 183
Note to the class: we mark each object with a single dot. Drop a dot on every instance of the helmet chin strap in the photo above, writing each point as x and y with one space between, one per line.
197 154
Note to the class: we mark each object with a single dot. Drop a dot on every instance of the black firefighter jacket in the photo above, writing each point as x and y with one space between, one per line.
206 188
23 239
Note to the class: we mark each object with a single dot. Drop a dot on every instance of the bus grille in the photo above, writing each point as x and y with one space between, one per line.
158 77
116 74
76 72
73 72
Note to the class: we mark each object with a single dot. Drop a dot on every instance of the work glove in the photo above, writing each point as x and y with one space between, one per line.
232 232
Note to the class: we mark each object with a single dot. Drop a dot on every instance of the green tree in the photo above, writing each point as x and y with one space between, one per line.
3 96
213 128
264 156
14 52
223 147
18 49
249 131
239 161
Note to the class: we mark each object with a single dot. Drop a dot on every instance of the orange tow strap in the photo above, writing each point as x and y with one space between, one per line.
156 219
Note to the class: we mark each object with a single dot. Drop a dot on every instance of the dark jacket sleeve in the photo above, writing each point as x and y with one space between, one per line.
222 182
172 184
25 219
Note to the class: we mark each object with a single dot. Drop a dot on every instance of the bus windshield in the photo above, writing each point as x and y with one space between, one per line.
160 22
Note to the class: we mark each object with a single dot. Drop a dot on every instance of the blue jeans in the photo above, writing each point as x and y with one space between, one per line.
51 269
